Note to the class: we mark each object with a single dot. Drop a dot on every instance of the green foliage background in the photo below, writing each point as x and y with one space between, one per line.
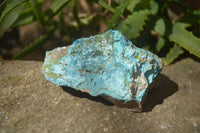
138 20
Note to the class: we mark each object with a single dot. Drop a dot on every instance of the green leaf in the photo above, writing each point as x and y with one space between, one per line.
177 33
119 11
75 12
26 17
132 26
10 14
37 9
136 5
132 5
36 44
154 7
160 26
142 5
106 6
58 5
160 44
4 4
55 8
185 39
173 54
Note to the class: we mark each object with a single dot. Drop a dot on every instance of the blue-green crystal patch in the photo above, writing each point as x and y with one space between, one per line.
106 64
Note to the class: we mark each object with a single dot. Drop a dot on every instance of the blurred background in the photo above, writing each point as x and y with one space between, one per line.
168 28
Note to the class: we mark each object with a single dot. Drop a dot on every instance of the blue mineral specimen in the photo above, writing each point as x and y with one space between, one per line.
107 64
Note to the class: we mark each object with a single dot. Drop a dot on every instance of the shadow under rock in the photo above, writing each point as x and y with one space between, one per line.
159 90
81 94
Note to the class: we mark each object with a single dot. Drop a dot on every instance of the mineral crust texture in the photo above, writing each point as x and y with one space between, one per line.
108 65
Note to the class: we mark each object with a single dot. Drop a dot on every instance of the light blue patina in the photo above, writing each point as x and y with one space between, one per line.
105 64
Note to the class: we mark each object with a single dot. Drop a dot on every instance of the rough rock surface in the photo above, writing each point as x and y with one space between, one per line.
30 103
105 64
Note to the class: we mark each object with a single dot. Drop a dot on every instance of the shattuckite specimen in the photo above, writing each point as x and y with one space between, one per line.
106 65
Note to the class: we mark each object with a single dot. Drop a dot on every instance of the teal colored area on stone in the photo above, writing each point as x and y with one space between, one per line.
105 64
